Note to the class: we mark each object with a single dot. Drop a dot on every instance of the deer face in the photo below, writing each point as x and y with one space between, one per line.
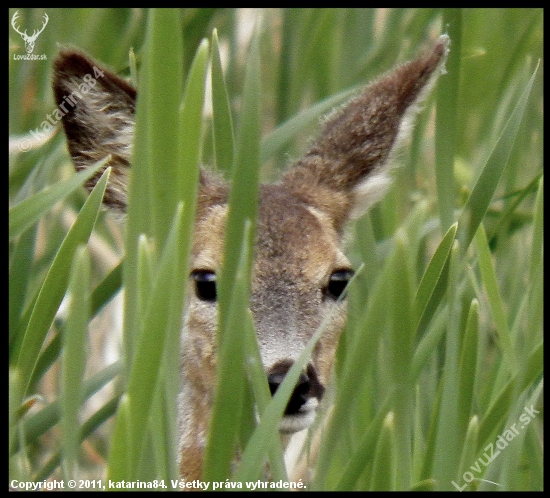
299 277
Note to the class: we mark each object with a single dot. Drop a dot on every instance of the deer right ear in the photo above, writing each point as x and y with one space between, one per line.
97 109
346 169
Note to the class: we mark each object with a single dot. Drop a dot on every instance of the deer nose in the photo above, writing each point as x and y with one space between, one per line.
308 386
299 395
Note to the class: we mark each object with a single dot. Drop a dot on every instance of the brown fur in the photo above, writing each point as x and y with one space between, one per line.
300 269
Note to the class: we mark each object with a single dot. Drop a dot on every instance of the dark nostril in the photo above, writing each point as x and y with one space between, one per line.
302 387
300 394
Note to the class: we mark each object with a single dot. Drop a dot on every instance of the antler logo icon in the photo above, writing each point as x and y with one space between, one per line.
29 40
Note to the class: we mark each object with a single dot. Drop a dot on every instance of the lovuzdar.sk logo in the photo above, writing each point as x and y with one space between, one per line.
29 39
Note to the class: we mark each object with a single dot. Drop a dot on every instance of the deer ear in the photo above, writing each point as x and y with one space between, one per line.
346 169
97 109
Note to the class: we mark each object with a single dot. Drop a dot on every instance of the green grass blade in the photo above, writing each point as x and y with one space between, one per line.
146 365
428 343
383 468
20 278
228 403
74 361
119 465
468 364
190 136
241 218
164 83
243 197
106 289
359 462
496 413
190 141
427 298
88 428
30 210
257 380
448 433
469 454
154 190
222 122
511 214
401 352
39 423
482 193
538 238
164 411
15 396
446 123
490 283
362 347
260 443
55 283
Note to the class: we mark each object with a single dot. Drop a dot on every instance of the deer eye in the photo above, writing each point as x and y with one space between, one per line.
205 285
337 283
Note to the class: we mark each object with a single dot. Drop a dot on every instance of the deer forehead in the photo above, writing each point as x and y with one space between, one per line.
295 242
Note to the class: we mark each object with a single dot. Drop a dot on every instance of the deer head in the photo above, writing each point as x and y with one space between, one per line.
300 271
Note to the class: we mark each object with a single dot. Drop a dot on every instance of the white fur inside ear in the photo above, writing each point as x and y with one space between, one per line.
370 191
374 186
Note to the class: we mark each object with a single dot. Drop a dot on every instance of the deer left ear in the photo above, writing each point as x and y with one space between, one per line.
346 169
97 109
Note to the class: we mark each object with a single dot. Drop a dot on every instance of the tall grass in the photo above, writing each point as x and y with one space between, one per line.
440 366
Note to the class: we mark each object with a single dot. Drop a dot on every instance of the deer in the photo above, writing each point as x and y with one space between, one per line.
300 271
29 40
